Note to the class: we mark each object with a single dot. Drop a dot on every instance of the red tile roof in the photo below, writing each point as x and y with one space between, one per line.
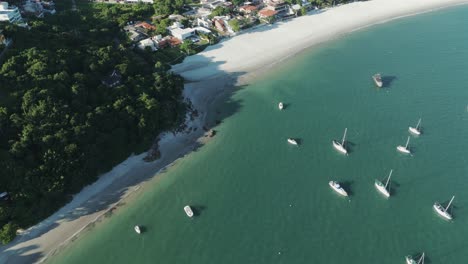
146 25
267 12
248 8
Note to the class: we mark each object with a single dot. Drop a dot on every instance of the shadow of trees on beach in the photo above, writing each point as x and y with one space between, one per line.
22 255
107 200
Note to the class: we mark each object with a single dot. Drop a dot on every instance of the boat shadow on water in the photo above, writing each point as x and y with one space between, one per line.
347 186
350 146
394 185
388 80
198 209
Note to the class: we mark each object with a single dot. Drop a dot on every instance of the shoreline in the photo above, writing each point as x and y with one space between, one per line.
212 76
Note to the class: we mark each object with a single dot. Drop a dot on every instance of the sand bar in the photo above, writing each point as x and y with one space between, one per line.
212 73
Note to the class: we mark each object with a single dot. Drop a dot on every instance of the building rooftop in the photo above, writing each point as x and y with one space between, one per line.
267 12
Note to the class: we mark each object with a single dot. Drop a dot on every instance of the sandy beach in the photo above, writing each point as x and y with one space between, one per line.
211 77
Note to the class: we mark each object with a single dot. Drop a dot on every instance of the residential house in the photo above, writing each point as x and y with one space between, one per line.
146 26
10 14
222 24
136 1
204 22
267 14
247 9
151 43
113 79
212 4
135 33
280 6
176 17
172 41
177 31
34 8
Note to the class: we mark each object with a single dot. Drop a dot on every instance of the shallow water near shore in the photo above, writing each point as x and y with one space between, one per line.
260 200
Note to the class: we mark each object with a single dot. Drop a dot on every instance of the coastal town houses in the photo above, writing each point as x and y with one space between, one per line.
150 43
39 8
222 25
10 13
178 31
280 6
135 33
247 9
139 1
267 15
204 22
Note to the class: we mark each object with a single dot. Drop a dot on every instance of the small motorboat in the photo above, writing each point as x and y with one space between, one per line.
378 80
292 141
280 106
337 187
137 229
188 211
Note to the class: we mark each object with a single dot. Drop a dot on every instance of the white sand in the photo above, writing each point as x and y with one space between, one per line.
262 47
213 70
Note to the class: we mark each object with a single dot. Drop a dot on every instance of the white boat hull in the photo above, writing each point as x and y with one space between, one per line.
414 131
381 189
280 106
402 149
410 260
335 186
188 211
339 147
137 229
292 141
441 211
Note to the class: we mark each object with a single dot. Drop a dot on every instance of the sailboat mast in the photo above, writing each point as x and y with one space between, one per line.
421 260
419 122
407 142
344 136
451 200
388 180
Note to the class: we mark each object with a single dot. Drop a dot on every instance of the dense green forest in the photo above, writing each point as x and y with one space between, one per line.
60 126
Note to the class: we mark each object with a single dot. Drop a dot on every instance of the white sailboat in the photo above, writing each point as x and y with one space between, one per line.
292 141
411 260
188 211
280 105
340 145
337 187
416 130
404 149
443 211
137 229
383 188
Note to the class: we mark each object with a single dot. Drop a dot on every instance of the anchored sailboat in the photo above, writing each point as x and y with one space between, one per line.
383 187
443 211
404 149
411 260
340 146
338 188
416 130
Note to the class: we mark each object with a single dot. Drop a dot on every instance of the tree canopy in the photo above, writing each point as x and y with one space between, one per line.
60 125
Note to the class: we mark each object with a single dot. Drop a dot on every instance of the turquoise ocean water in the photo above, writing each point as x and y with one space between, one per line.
263 201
